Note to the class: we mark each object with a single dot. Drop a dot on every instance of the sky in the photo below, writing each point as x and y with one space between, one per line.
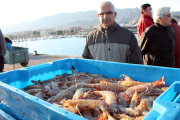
18 11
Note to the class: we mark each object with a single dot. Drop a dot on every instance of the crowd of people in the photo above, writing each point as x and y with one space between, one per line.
157 44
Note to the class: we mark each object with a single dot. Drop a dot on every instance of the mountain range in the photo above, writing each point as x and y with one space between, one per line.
73 19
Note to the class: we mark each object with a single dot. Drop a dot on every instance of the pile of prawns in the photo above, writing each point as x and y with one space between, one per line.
95 97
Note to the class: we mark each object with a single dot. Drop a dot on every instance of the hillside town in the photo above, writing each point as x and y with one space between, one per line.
53 33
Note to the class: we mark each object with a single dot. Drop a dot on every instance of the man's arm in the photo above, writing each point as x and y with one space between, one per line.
144 43
135 54
86 54
2 44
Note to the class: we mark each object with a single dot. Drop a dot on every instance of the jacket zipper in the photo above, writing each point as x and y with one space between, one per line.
108 45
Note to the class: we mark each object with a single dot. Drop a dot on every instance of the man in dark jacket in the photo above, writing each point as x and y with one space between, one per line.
110 42
157 42
176 28
146 20
2 51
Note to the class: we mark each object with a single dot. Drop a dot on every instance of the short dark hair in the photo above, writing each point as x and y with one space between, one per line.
143 7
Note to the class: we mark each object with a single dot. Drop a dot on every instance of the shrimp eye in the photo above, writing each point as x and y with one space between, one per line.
65 106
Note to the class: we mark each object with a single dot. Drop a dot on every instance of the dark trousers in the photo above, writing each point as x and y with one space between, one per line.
1 63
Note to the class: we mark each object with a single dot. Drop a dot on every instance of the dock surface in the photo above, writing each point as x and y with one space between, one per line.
38 59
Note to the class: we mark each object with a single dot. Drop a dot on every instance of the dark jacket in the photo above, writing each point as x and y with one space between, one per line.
113 44
143 23
2 44
176 28
157 46
8 40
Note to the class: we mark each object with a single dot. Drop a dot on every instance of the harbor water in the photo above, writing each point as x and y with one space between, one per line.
60 46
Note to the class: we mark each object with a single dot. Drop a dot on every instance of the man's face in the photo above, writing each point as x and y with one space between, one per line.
148 11
166 20
106 15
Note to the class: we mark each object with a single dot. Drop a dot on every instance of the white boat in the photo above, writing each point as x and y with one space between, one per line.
43 38
51 37
34 39
30 39
62 37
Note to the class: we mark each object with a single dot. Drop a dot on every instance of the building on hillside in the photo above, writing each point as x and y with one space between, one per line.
28 34
84 31
73 30
47 32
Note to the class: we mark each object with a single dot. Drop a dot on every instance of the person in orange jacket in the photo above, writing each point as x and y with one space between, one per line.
176 28
146 20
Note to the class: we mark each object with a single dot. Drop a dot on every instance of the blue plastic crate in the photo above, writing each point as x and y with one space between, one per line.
8 46
166 106
27 106
3 114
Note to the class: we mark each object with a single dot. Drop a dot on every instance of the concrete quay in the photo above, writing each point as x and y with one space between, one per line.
38 59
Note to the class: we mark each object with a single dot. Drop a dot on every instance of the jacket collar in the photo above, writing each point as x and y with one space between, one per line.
109 28
147 17
162 28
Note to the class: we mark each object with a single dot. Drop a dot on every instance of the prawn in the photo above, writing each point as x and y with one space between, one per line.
164 88
101 87
39 95
79 94
50 93
57 77
124 117
158 83
55 87
73 110
110 99
34 91
96 76
114 85
129 111
67 92
127 78
32 87
129 83
142 106
135 100
47 88
144 87
86 104
88 116
153 92
123 99
149 102
105 116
